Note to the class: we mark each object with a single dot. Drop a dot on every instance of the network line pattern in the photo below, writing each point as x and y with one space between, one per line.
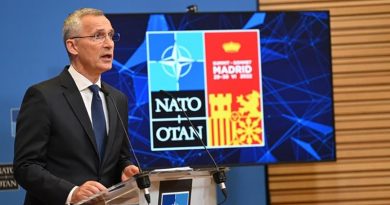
296 85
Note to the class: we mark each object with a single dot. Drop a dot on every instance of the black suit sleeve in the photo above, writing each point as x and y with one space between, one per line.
30 151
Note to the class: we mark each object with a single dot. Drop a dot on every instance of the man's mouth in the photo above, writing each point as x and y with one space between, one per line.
107 57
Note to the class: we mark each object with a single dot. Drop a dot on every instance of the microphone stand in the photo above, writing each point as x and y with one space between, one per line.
142 178
219 174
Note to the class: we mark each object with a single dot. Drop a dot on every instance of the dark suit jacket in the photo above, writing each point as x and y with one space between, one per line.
55 147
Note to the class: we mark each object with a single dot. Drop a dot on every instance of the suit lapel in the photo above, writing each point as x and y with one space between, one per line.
73 97
113 119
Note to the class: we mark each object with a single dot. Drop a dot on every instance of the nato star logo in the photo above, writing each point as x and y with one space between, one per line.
176 61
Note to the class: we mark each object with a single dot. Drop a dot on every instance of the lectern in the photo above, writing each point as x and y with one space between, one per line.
168 186
181 186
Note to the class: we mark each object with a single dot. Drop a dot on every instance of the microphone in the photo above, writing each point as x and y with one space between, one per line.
219 174
193 8
142 178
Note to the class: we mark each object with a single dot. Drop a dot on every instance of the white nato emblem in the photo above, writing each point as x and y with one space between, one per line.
176 61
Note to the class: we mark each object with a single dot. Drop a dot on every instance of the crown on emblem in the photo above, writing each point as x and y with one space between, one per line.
231 47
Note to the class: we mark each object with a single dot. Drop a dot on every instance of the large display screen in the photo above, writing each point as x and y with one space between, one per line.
251 87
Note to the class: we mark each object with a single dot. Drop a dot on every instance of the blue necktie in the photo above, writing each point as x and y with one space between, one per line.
98 119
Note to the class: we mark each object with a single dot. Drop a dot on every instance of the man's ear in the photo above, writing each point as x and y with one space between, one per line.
71 46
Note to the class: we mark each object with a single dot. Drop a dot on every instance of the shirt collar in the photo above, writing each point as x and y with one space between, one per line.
81 81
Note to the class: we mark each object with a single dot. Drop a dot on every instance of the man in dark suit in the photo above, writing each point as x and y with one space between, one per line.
59 156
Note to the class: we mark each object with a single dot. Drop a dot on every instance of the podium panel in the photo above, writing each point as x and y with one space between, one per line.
198 186
167 187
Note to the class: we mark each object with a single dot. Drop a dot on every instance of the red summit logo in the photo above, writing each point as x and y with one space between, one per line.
233 70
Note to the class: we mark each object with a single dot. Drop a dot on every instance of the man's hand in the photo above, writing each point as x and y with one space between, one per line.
129 171
86 190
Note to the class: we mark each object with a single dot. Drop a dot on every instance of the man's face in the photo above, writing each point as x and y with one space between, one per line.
94 57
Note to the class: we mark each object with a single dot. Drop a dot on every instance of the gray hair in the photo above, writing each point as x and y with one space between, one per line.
72 23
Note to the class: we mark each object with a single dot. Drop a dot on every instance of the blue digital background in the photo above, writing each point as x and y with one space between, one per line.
296 83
